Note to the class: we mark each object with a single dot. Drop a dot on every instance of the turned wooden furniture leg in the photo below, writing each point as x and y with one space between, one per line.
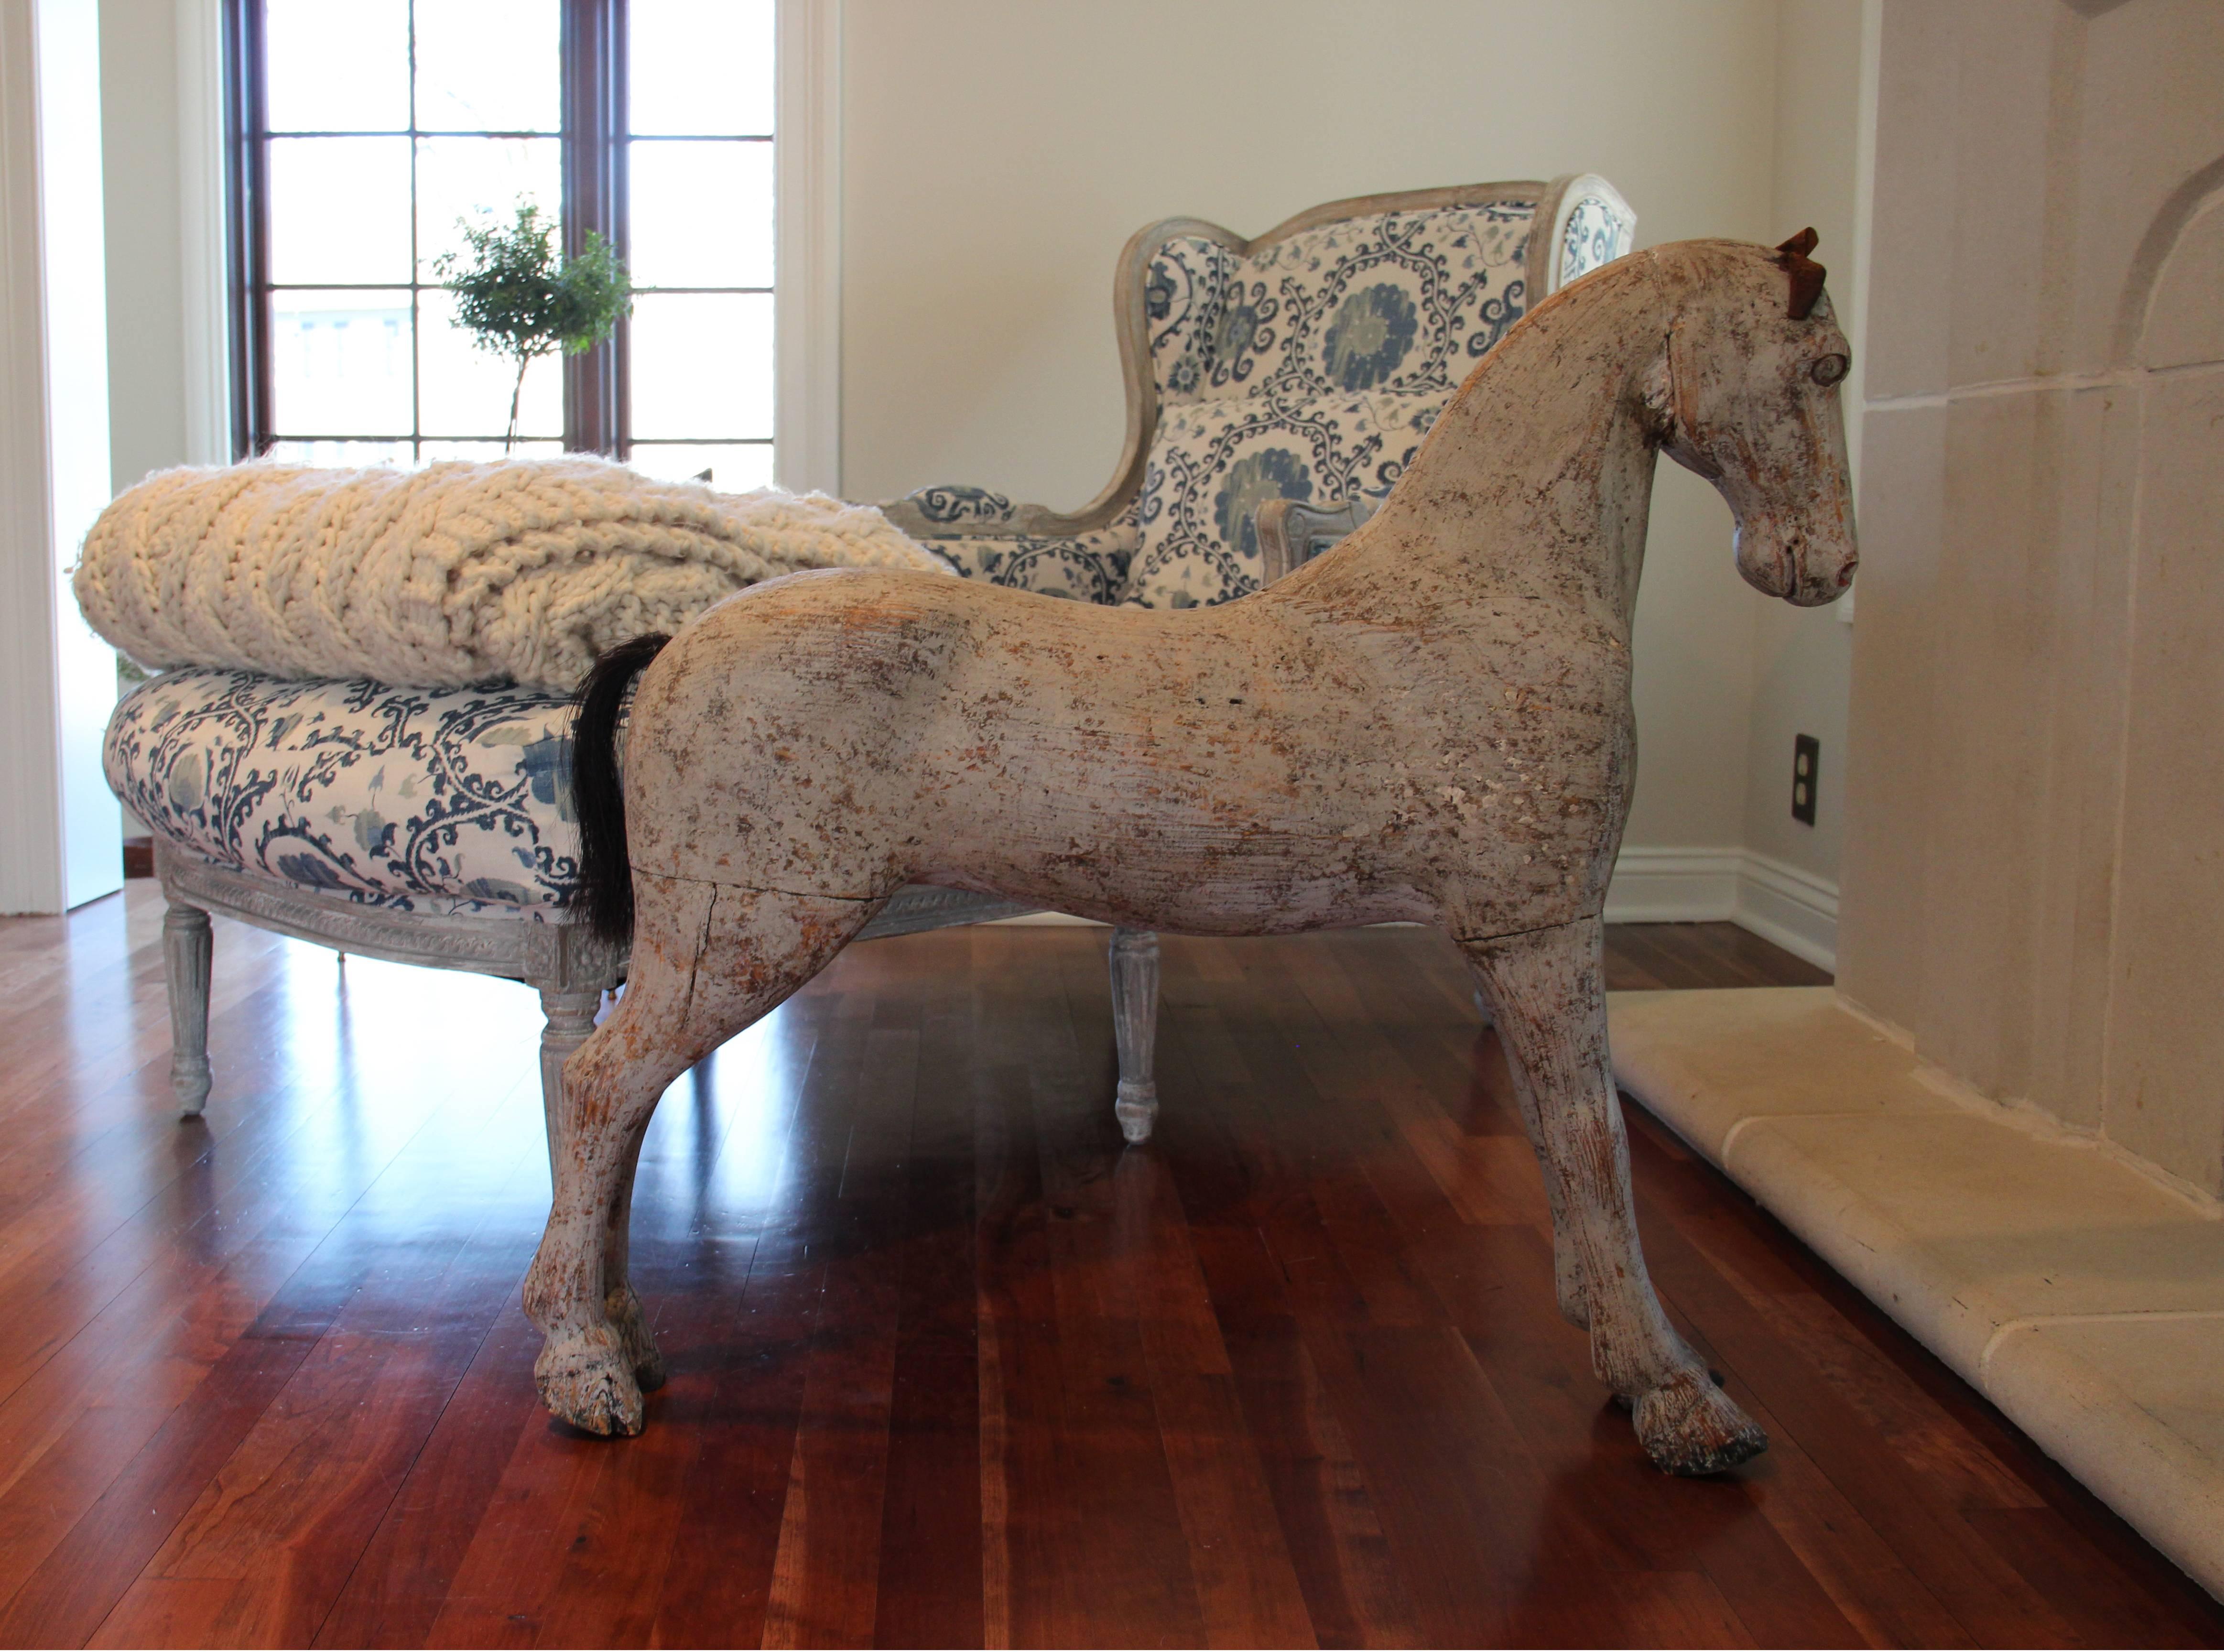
571 1012
1136 1027
187 945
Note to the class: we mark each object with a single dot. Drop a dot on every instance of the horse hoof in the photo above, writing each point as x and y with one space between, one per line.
631 1321
1690 1426
586 1379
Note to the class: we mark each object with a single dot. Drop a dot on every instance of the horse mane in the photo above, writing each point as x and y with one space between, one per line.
1642 294
1697 259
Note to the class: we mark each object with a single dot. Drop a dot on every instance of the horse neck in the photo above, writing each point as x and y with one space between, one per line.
1535 483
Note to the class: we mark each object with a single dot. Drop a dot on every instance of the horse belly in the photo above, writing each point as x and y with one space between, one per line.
1207 825
841 738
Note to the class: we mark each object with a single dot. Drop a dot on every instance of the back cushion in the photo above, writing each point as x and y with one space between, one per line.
1309 372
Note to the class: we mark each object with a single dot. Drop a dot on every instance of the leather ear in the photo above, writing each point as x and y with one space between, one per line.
1806 274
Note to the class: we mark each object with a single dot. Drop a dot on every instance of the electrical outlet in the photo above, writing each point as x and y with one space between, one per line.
1806 774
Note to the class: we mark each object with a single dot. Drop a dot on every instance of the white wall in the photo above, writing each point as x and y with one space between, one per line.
60 841
139 138
1802 658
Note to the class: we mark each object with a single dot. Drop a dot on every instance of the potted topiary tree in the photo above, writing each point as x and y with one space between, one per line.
521 300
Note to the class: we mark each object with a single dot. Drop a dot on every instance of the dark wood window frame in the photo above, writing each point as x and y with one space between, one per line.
595 142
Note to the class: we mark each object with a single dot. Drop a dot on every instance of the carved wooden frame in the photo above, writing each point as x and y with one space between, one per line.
1542 261
560 959
1291 532
557 956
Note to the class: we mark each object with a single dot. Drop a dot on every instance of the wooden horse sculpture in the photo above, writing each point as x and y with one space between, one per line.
1430 722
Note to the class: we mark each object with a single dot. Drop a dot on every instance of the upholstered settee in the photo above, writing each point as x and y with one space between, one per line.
435 825
1306 363
1281 382
421 825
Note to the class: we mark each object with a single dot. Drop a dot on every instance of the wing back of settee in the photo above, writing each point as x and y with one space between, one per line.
1309 364
1305 363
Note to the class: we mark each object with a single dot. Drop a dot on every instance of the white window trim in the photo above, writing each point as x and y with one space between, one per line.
202 275
807 247
807 284
60 829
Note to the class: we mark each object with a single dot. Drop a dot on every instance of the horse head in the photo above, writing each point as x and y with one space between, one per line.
1747 396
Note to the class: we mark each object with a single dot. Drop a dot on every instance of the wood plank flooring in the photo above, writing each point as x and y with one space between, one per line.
950 1367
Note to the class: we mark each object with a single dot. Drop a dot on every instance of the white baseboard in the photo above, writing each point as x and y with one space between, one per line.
1674 886
1796 910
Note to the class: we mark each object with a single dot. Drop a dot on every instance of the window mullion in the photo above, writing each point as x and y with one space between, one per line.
416 267
594 169
248 233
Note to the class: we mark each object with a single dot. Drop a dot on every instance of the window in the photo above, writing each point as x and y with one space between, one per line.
362 134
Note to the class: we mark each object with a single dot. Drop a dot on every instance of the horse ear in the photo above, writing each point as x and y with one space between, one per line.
1806 274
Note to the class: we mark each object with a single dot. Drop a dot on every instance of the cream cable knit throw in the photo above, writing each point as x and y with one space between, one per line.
452 575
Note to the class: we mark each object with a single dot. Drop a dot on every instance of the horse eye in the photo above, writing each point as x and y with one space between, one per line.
1828 371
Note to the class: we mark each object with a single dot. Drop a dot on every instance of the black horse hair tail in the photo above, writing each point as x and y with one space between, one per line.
605 897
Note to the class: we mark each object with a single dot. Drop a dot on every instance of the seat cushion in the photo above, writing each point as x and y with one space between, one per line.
438 800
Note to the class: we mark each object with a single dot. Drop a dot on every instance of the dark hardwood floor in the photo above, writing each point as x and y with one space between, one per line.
950 1366
1649 957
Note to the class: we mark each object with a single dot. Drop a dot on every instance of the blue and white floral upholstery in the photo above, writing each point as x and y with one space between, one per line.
1597 232
1309 368
1086 568
449 801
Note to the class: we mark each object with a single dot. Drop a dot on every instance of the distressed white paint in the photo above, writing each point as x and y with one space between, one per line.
1431 722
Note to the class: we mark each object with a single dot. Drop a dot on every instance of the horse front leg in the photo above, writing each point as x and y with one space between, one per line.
1548 988
1568 1280
708 960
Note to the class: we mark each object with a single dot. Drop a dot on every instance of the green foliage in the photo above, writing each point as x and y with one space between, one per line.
521 300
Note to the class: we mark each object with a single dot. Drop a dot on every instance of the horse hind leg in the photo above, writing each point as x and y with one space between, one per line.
1548 988
621 1303
708 960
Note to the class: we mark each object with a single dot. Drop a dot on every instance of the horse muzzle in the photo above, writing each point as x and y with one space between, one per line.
1804 569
